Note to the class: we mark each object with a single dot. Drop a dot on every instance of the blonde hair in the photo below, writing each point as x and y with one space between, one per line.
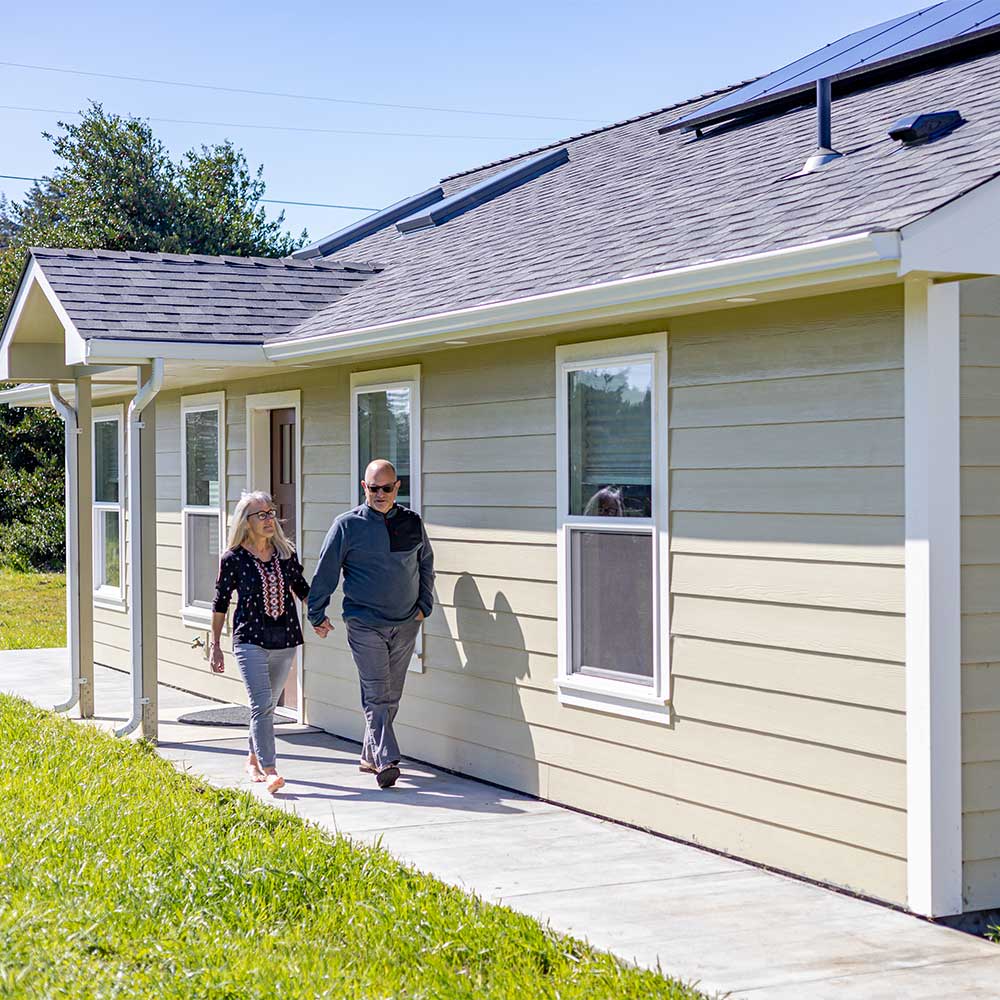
239 528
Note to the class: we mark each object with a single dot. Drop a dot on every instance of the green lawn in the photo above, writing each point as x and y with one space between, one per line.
32 610
120 877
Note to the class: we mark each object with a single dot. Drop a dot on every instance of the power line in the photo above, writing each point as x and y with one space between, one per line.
292 96
268 201
293 128
317 204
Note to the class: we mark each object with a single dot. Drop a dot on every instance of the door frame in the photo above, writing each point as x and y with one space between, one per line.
258 415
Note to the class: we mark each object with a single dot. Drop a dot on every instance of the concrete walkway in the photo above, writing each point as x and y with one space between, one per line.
731 927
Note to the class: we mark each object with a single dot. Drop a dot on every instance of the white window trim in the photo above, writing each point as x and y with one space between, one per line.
194 617
112 598
382 380
617 697
259 405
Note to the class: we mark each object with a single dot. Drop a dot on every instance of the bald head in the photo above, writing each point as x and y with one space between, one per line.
381 485
379 467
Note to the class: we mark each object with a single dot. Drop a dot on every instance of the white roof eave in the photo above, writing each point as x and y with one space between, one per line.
863 255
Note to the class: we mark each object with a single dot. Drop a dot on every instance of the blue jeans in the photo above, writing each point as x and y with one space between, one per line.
264 674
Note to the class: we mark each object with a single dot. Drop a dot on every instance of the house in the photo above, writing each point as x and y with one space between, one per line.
708 448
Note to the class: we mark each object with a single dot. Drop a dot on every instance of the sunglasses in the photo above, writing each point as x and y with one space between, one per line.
387 489
264 515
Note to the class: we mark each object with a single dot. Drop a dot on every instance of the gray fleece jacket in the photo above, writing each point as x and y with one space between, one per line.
387 565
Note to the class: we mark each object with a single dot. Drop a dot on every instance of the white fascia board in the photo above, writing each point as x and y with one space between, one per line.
135 352
958 238
862 255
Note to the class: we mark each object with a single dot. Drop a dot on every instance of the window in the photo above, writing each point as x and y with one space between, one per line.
203 502
109 499
613 526
385 423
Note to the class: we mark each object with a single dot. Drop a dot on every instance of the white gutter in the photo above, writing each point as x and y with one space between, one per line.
30 394
861 255
72 431
37 393
101 351
142 399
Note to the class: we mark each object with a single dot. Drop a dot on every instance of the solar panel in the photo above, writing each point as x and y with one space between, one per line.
943 25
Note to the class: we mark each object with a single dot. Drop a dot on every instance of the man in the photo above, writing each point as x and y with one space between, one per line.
388 568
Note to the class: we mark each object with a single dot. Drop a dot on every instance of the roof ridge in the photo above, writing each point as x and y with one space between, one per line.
602 128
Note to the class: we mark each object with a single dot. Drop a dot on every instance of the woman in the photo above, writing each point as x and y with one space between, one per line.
261 565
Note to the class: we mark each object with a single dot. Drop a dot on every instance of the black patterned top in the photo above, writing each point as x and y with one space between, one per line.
265 612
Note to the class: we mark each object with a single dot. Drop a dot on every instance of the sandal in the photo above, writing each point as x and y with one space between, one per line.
274 782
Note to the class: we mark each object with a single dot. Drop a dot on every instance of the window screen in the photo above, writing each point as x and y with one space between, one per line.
612 610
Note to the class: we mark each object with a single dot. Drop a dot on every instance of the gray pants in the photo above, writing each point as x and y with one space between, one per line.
265 672
382 655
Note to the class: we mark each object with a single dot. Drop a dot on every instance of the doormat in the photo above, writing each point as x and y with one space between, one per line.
227 715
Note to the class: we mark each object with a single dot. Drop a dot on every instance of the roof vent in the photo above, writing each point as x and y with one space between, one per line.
916 129
825 153
484 191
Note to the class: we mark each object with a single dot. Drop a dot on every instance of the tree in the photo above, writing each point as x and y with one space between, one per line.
116 188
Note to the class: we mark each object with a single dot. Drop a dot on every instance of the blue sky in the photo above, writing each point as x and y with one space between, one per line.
583 63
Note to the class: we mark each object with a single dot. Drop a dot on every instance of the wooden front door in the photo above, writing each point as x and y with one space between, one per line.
283 485
283 489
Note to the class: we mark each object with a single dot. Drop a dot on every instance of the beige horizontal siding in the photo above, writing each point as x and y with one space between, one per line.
788 740
790 491
780 581
980 457
854 395
828 443
811 537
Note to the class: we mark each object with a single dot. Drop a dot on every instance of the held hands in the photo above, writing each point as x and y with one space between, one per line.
324 628
215 659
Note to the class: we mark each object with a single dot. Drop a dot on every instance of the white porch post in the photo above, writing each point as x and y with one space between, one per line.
146 536
85 545
933 601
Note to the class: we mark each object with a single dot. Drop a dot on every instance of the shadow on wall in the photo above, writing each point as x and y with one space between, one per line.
489 645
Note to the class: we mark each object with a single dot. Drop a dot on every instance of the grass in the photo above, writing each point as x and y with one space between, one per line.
120 877
32 610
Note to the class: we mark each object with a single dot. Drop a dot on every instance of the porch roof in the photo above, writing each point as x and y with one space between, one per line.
192 298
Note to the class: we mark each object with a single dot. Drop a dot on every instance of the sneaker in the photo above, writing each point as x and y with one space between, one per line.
388 776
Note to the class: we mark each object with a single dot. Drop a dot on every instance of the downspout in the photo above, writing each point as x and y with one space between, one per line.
68 414
143 398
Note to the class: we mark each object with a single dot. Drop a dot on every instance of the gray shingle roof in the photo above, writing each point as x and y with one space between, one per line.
631 201
160 296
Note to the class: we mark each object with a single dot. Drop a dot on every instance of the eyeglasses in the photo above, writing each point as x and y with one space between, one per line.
387 489
264 515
